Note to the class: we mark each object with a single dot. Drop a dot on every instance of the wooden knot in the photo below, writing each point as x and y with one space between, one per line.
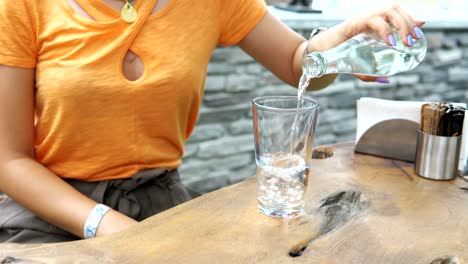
339 208
446 260
322 153
10 260
335 211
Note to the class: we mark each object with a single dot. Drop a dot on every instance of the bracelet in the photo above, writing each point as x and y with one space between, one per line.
314 33
93 220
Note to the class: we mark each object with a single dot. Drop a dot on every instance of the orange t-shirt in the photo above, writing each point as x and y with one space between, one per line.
94 124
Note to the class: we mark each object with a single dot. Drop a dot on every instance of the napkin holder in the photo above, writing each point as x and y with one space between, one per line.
392 138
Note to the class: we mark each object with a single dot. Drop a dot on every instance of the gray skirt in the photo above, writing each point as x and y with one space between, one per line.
145 194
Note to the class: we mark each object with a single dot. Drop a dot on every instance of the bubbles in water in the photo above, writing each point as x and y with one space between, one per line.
280 176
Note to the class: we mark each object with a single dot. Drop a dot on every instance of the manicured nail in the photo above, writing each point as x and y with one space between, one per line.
382 80
410 40
391 39
417 31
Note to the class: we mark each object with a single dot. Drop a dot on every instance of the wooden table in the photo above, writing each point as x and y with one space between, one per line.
360 209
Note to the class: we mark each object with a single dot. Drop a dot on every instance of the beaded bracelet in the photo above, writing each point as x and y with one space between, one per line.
93 220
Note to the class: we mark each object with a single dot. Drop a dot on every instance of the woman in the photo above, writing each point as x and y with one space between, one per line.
99 97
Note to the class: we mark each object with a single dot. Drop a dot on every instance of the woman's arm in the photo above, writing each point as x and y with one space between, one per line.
24 179
280 49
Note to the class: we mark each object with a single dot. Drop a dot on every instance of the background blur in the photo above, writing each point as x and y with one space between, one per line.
221 150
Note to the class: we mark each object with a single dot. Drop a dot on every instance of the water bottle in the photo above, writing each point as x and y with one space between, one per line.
366 54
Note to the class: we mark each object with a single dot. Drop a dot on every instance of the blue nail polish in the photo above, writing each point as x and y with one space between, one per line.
391 39
382 80
410 40
417 31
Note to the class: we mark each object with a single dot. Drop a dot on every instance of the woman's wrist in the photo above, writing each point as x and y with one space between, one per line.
114 222
313 34
326 39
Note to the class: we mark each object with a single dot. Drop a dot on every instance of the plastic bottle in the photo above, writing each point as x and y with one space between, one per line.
366 54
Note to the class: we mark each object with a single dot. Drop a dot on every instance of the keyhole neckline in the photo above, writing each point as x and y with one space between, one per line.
120 70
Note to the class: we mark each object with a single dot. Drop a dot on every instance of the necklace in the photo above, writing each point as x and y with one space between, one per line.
128 12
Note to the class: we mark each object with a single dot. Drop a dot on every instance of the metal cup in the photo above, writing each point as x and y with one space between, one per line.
437 156
463 159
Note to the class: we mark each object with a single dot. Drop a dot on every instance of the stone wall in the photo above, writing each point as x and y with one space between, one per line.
221 150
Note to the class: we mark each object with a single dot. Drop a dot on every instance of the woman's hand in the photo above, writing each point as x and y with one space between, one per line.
281 50
379 21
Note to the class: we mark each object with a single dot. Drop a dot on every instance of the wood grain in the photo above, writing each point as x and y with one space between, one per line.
359 209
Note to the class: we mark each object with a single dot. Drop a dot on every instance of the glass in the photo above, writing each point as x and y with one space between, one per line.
282 156
367 54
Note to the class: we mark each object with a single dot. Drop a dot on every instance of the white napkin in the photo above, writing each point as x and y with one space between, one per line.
371 111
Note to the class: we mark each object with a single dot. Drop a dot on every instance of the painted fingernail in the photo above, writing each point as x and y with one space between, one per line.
410 40
382 80
391 39
417 31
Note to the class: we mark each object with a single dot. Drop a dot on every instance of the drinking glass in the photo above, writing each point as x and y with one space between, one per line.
284 133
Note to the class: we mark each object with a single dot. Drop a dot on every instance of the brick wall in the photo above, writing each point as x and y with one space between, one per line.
271 2
221 150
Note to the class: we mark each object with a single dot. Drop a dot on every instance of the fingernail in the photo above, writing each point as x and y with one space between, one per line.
410 40
417 31
391 39
382 80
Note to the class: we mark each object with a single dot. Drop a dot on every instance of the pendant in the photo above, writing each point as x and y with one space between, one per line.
128 13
